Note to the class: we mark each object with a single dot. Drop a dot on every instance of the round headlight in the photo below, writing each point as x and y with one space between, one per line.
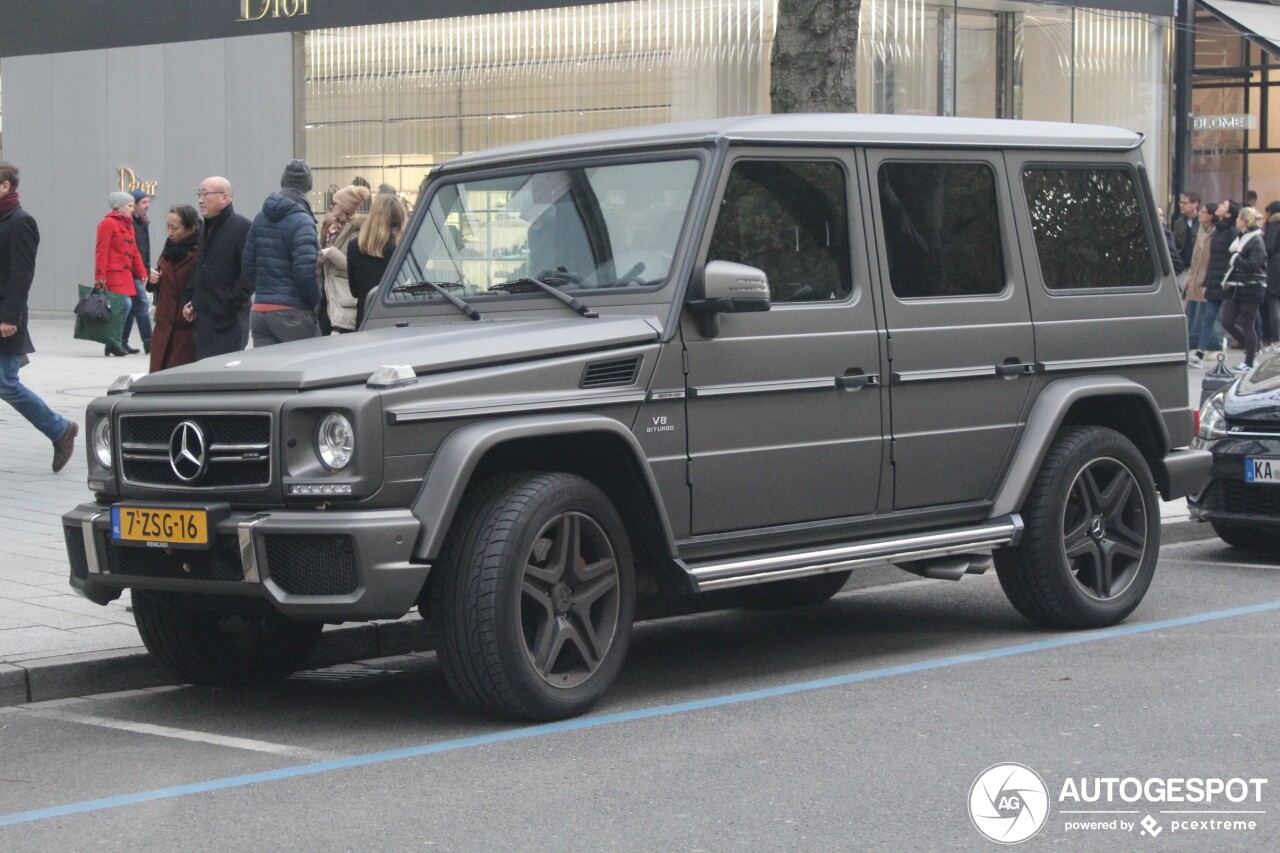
101 442
335 441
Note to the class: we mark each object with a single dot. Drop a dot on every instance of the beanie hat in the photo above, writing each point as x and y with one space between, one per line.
139 195
351 199
118 200
297 176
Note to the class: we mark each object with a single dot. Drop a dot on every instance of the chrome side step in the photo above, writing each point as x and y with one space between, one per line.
921 548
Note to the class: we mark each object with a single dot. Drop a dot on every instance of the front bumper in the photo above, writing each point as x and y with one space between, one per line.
1228 497
331 566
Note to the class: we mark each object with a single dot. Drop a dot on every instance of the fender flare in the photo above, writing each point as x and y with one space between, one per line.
1042 424
460 453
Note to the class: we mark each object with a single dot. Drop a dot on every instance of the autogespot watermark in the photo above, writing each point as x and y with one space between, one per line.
1010 803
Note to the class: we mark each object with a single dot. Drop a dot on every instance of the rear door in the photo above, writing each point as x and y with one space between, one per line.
784 406
961 348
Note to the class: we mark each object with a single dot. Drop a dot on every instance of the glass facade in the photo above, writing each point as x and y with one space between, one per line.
1235 135
385 103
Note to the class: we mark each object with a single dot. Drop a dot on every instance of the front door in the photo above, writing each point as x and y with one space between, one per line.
784 406
961 348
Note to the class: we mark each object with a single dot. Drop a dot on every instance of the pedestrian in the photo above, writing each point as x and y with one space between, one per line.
218 292
1246 284
1271 305
174 341
370 252
19 239
336 232
1171 242
280 258
1224 234
1187 224
116 262
141 308
1193 290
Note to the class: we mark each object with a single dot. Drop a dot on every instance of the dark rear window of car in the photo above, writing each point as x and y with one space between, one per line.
1088 228
942 229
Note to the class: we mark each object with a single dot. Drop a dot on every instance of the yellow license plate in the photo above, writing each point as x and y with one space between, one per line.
160 525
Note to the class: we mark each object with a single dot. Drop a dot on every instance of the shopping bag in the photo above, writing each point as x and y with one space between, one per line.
108 332
94 306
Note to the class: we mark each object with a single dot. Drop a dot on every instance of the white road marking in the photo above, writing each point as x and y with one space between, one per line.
187 734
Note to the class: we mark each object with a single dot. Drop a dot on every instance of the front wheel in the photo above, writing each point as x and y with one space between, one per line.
533 597
1092 535
220 649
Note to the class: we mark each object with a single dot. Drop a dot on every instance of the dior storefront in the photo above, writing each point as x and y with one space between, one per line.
161 94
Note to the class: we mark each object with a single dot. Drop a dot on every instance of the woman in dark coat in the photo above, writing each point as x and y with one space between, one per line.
1246 284
174 340
369 253
1219 257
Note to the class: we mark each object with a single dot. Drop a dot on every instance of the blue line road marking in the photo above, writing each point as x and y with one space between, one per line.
592 722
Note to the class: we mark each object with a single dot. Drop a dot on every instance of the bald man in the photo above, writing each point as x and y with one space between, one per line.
219 295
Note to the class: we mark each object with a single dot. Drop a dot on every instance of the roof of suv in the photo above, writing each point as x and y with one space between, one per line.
825 129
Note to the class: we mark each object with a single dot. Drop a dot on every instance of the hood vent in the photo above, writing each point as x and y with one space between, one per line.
611 374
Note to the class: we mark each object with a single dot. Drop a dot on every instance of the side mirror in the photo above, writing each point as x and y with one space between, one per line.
728 288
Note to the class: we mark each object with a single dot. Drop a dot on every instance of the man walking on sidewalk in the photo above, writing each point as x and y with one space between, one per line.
141 311
19 238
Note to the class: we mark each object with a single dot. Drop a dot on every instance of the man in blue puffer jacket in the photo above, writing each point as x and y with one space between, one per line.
280 258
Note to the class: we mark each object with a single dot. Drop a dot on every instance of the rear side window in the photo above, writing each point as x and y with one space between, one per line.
1088 228
942 229
789 219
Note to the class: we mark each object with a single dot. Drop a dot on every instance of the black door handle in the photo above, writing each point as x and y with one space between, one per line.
1015 368
854 381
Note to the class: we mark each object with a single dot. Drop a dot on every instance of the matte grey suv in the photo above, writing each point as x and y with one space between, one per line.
648 364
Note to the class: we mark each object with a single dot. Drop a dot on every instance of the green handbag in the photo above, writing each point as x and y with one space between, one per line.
109 331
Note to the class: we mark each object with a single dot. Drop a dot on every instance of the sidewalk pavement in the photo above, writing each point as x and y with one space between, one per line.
55 644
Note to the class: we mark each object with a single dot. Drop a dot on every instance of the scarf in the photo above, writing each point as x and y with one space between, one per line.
8 202
176 251
1243 240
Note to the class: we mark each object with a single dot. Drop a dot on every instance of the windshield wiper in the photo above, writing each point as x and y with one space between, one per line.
525 285
421 286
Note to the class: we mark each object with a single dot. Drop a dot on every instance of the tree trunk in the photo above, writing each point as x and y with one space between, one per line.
814 55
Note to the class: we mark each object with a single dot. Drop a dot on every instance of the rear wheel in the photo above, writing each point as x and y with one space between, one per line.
1092 535
1249 539
220 649
533 597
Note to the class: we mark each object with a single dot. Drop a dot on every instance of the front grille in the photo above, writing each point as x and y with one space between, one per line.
1249 498
238 450
76 552
219 563
312 564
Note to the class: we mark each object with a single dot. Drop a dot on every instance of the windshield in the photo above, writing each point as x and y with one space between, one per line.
609 227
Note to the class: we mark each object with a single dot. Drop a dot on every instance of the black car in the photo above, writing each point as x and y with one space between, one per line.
1241 425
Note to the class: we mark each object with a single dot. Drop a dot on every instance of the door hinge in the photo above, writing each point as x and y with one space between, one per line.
688 472
684 361
888 345
893 452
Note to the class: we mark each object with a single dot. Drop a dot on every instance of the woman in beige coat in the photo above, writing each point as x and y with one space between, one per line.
336 231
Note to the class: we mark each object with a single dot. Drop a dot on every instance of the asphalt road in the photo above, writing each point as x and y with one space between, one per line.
858 725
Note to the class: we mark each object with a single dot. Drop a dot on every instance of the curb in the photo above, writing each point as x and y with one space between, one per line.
68 676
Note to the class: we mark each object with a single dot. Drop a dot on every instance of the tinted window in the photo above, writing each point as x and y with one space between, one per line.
942 229
1088 228
790 220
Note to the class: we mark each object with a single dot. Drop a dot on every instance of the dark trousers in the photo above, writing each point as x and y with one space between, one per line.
141 311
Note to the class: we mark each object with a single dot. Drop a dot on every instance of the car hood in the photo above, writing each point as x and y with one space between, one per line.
348 359
1256 396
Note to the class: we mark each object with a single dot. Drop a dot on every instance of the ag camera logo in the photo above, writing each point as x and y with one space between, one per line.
1008 803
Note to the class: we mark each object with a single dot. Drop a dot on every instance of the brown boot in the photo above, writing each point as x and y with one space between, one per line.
65 446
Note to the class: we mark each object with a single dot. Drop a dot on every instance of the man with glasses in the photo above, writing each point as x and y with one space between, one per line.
218 296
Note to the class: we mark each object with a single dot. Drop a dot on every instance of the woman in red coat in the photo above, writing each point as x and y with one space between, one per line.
174 340
116 262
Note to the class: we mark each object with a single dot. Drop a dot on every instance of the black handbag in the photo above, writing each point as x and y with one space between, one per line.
94 307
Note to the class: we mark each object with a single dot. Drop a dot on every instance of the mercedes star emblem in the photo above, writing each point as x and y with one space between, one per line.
187 455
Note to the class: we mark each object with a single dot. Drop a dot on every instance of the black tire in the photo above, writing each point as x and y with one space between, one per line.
209 648
1088 552
533 597
1245 538
797 592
